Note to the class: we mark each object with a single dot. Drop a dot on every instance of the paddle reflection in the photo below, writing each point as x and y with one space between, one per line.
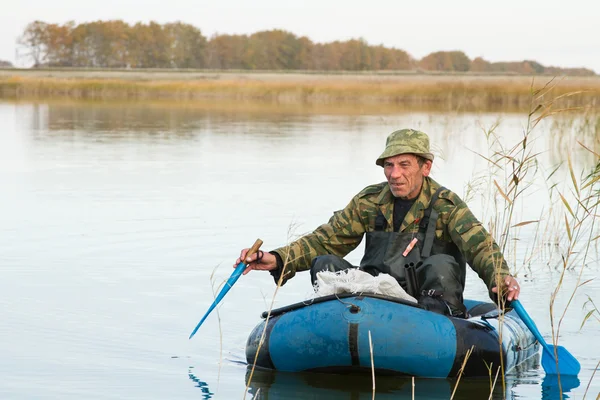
206 393
551 390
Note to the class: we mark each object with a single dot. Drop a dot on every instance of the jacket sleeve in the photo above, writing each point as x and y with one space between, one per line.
477 245
342 234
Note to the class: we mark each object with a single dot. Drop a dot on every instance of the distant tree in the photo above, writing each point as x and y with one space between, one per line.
187 46
446 61
383 58
516 67
116 44
355 55
273 50
306 54
569 71
326 56
6 64
149 46
83 49
34 41
59 45
480 65
534 67
228 52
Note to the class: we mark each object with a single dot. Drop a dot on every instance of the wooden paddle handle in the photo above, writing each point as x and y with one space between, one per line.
254 248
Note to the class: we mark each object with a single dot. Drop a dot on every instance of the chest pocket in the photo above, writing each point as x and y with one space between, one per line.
441 233
389 252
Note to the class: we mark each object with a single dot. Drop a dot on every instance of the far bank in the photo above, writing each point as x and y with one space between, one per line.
409 89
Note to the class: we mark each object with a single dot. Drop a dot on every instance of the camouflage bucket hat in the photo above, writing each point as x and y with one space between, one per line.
406 141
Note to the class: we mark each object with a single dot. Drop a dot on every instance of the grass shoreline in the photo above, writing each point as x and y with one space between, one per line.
413 90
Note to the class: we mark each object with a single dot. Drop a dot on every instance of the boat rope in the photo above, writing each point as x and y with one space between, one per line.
521 348
347 303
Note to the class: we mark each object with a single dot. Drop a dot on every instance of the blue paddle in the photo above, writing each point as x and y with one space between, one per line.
567 364
237 272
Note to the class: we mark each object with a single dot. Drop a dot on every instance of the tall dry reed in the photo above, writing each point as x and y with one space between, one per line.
513 168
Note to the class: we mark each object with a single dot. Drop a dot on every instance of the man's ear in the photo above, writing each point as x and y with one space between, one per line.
427 167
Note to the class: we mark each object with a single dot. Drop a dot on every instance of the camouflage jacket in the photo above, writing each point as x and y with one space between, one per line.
345 230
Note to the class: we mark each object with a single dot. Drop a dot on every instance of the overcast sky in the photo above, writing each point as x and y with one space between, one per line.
559 33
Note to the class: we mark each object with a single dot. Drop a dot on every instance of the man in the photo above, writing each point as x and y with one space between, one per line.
409 221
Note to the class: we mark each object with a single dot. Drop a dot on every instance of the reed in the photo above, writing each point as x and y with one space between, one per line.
373 367
460 372
512 170
587 388
215 292
593 311
448 92
291 228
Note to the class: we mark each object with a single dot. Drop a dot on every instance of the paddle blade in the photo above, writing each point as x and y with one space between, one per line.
567 364
232 279
239 269
202 320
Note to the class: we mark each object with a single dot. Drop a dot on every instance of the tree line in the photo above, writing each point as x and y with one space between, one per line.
117 44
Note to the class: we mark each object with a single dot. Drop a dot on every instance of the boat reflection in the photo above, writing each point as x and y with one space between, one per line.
280 385
273 385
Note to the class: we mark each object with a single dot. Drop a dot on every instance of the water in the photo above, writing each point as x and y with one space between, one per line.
117 223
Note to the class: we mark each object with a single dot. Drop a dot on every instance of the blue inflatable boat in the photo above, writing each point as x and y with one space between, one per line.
331 334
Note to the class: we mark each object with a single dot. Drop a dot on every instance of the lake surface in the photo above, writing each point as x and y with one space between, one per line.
118 222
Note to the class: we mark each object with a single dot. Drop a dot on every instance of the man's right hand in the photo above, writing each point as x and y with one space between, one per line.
260 261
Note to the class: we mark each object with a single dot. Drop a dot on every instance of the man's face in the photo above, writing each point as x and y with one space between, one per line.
404 175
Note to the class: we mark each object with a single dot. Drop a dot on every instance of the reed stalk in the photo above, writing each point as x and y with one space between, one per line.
462 368
493 385
372 364
587 388
263 334
212 285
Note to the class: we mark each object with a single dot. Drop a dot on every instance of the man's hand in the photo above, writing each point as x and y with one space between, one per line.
261 261
511 288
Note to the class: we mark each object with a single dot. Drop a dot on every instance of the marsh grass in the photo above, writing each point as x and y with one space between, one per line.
462 92
512 170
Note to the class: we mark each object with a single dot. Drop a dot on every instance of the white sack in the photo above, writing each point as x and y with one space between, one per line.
356 281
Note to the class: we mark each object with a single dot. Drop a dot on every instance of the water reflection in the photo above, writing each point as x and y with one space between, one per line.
148 117
280 385
551 389
560 135
112 120
274 385
206 393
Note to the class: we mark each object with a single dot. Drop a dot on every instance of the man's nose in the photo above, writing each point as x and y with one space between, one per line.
395 173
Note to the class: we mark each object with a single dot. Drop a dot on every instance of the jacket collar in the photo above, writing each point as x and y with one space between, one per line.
386 203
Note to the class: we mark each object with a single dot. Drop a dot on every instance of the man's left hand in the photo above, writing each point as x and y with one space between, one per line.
511 288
